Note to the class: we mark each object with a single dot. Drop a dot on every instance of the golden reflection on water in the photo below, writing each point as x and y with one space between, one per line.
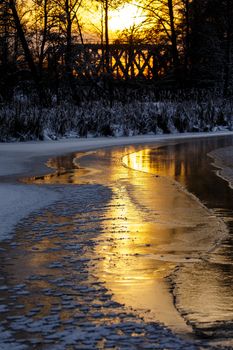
151 225
160 164
203 289
67 170
154 226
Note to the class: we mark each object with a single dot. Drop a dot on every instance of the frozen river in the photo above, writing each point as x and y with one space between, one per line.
140 234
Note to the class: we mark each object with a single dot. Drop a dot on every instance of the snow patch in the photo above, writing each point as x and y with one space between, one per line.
18 201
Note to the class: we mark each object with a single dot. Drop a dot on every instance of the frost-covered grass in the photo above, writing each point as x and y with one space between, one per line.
23 120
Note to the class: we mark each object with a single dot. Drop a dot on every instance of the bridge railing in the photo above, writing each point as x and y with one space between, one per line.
126 61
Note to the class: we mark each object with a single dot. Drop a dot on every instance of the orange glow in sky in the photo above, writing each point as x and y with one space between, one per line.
125 17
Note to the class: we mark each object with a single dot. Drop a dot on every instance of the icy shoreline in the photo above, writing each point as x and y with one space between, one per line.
17 159
223 160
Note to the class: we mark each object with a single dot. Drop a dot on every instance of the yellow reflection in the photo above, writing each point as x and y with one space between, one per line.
150 225
67 170
158 162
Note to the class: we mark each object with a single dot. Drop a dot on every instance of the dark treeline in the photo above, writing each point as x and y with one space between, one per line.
192 41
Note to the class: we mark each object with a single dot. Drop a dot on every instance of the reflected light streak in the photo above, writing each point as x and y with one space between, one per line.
154 226
151 225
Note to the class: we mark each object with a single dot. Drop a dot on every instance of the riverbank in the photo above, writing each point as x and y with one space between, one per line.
20 159
24 120
223 160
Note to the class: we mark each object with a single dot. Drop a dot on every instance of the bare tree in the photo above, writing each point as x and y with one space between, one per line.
228 45
4 33
173 34
163 23
24 43
27 52
67 18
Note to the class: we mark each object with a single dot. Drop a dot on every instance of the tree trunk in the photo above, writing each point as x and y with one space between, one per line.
175 55
5 38
80 30
187 36
44 36
106 39
227 50
27 52
68 53
108 77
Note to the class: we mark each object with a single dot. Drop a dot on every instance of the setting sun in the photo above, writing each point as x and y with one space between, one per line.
124 17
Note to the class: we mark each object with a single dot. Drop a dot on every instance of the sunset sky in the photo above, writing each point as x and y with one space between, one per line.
124 17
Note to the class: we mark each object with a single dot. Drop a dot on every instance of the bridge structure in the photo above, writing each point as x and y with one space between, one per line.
125 61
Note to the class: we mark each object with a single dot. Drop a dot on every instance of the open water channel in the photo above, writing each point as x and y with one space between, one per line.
140 233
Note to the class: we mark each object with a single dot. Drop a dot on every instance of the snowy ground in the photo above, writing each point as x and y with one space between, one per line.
17 201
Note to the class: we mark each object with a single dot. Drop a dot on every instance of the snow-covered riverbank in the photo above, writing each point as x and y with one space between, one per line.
23 120
18 200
